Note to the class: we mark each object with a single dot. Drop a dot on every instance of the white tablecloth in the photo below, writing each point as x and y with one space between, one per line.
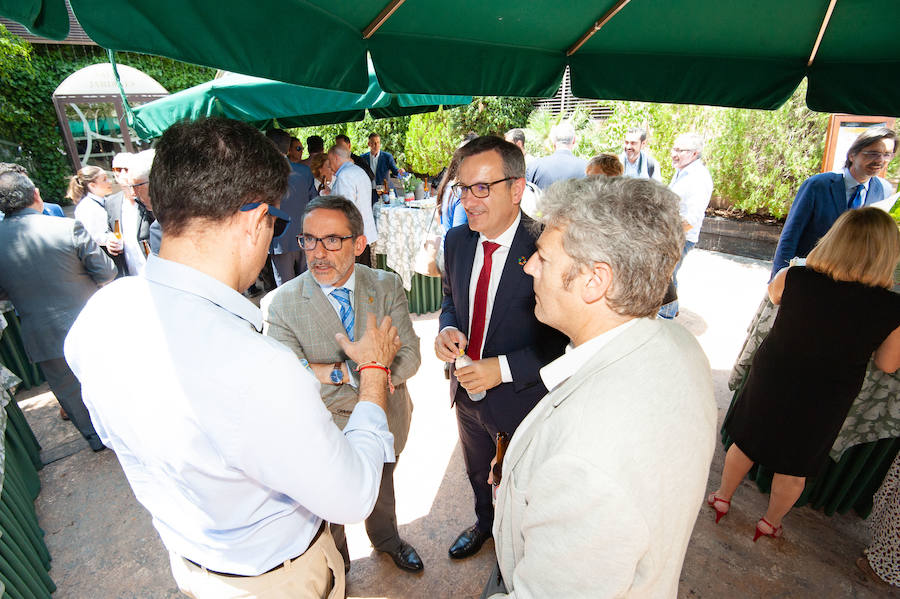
401 232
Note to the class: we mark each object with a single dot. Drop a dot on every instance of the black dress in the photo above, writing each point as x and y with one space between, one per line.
809 369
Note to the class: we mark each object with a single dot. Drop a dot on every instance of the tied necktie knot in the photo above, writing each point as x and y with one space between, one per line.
342 295
856 199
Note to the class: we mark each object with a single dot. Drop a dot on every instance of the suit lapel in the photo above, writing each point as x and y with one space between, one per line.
322 311
637 335
363 300
463 278
839 194
512 277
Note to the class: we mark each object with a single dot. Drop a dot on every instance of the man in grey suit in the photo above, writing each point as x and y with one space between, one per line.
49 268
334 296
602 482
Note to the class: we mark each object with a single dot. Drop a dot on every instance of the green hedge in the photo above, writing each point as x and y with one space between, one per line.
30 74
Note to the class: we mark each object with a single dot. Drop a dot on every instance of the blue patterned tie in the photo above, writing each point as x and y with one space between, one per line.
342 295
856 199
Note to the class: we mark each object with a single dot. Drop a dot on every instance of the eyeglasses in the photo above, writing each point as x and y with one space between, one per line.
479 190
682 150
332 243
282 220
871 155
133 185
119 169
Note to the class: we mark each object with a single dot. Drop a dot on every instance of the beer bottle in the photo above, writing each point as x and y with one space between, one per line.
502 443
117 230
146 247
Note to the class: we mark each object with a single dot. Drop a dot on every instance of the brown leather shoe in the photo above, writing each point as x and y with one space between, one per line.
468 542
63 415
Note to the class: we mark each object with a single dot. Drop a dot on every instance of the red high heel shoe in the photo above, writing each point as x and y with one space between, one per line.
775 534
712 500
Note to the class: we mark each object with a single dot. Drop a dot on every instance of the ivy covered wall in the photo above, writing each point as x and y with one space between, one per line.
29 75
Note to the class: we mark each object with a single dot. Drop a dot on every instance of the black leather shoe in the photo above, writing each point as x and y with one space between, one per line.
468 542
406 557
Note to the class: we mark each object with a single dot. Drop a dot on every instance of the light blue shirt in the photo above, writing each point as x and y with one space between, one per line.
353 183
850 184
220 431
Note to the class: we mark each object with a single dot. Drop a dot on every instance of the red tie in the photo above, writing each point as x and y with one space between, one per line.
476 335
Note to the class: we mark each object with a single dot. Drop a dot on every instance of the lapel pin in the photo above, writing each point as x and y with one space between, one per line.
371 299
522 260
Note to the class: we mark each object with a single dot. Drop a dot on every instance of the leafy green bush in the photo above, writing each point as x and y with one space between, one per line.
429 145
27 116
392 131
489 115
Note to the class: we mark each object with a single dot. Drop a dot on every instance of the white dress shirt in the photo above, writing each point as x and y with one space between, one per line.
91 211
694 186
134 254
220 430
556 372
498 261
353 183
350 285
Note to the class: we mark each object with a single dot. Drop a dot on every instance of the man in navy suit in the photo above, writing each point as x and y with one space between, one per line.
822 198
380 162
561 164
488 311
287 259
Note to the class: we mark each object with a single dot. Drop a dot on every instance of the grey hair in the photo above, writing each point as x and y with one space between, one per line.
16 192
340 151
633 225
341 204
563 133
140 165
690 141
639 131
515 135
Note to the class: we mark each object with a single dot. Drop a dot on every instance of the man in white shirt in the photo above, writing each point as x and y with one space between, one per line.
694 186
228 445
334 296
602 482
488 313
636 159
352 183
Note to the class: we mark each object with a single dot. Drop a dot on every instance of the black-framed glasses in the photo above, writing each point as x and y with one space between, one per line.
871 155
282 219
332 243
133 185
479 190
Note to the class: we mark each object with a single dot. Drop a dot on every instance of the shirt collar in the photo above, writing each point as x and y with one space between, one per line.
556 372
850 181
93 196
506 237
349 284
22 212
190 280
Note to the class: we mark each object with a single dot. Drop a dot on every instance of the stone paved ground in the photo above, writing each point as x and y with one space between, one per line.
104 547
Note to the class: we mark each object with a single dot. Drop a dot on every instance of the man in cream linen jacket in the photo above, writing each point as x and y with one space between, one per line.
603 480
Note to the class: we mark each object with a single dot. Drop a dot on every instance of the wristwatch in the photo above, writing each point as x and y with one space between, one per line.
337 375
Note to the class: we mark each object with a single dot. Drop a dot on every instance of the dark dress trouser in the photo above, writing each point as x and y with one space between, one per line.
67 389
477 434
381 525
287 266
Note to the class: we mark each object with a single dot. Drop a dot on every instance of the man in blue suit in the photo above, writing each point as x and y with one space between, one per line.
380 162
561 164
822 198
288 261
488 311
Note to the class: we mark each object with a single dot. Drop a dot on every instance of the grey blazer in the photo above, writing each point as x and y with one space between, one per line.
300 316
610 466
49 268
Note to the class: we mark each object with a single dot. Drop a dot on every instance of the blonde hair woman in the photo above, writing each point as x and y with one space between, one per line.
88 189
836 312
322 172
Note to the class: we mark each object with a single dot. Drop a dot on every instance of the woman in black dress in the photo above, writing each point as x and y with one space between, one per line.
835 312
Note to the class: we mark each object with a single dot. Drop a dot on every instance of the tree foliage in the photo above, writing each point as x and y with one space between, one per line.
27 115
391 130
429 145
489 115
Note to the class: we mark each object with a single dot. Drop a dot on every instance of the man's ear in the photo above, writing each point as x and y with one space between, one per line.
359 245
255 221
599 283
518 188
38 200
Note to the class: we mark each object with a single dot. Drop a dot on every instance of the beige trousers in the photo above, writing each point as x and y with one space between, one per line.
317 574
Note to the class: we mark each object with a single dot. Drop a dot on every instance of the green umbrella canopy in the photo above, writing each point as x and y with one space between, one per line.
749 53
259 101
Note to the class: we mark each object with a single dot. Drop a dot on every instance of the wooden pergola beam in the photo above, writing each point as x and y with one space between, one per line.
596 27
822 29
382 17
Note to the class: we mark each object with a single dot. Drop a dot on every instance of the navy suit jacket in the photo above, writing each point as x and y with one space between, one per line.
820 200
513 331
301 189
561 164
385 164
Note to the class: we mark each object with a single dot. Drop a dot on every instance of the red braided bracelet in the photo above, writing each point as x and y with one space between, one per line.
379 366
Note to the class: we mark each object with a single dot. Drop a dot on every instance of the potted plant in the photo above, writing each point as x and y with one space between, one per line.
411 186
